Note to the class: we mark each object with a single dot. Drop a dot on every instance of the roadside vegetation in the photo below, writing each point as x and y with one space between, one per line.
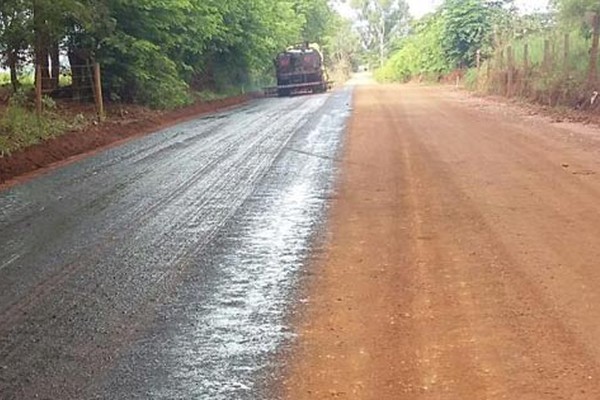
162 55
550 57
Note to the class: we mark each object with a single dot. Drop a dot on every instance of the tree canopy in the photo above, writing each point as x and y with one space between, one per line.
152 51
453 35
380 23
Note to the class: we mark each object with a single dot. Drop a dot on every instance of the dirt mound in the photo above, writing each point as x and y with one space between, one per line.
125 124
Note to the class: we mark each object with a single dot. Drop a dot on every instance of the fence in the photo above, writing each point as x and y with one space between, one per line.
81 84
552 69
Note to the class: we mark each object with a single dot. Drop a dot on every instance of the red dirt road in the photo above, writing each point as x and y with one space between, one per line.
463 259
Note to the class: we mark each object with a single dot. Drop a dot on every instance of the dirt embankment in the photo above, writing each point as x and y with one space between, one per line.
120 126
462 261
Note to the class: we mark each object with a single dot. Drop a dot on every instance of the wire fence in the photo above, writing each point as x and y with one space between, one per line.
553 68
75 84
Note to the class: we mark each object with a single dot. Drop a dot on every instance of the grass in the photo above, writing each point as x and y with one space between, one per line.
28 80
576 62
563 82
20 127
207 95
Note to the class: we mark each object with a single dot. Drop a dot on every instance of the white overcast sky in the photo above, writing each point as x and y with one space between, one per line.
420 7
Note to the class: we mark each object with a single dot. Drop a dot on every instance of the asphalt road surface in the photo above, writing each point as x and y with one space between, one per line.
166 268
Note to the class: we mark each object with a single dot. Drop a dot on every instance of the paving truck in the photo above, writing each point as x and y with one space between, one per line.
300 69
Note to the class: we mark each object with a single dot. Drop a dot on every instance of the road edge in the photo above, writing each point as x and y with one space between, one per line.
57 152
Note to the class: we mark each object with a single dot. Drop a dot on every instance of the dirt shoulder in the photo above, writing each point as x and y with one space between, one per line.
122 125
461 261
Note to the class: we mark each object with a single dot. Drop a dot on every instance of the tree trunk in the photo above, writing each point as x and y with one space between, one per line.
41 46
12 65
55 62
593 71
382 42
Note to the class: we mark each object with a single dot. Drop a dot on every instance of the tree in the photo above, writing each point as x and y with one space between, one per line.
381 21
467 28
153 51
318 19
14 36
342 47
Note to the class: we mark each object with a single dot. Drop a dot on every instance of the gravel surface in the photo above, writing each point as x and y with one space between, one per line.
165 268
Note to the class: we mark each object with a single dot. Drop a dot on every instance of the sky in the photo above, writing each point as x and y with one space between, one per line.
420 7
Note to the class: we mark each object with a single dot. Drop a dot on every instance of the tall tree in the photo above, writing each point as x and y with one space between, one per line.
342 47
318 17
15 28
380 22
467 29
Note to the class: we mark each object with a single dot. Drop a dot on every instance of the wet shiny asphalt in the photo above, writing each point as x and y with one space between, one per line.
167 268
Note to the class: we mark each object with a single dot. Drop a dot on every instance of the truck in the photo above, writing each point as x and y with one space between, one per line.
300 69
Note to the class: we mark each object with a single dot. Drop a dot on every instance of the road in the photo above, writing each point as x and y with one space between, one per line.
379 242
167 268
462 260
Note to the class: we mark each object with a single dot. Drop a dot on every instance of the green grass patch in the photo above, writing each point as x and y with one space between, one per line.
20 128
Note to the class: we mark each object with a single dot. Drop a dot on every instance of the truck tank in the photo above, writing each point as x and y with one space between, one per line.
300 69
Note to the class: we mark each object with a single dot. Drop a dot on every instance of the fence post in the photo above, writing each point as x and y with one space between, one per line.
38 90
510 78
98 92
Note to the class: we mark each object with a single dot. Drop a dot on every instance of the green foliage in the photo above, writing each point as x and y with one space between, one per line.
19 127
561 82
381 23
421 54
155 52
471 81
342 49
574 11
4 78
466 29
448 39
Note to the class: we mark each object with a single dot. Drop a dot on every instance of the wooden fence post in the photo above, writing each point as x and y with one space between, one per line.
98 92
